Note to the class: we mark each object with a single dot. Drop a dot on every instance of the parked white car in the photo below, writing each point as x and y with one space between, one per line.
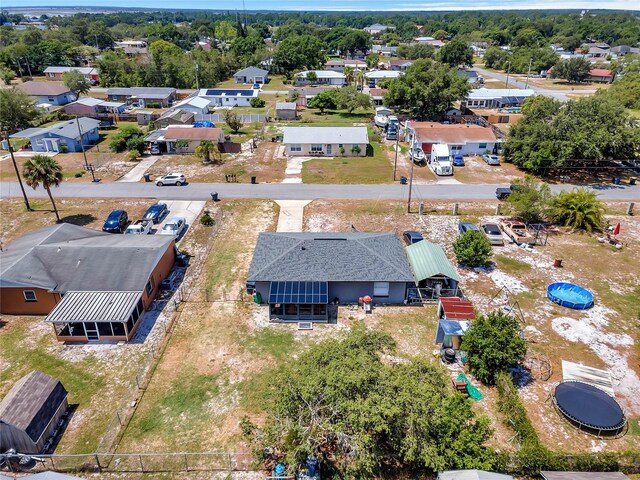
493 233
176 178
174 226
491 159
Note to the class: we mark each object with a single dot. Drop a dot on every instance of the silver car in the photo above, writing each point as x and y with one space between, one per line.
171 179
491 159
174 226
493 233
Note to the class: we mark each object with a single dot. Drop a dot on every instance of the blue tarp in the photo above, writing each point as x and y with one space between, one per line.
451 328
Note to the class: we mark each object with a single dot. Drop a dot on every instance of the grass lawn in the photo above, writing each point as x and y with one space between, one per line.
374 168
338 118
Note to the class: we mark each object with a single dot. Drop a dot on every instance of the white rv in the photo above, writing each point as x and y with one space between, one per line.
440 159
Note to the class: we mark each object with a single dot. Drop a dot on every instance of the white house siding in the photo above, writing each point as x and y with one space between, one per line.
216 101
477 148
334 151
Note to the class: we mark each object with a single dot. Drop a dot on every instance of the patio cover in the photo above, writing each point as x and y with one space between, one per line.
94 307
429 260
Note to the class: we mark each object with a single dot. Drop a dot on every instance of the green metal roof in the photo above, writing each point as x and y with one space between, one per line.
428 260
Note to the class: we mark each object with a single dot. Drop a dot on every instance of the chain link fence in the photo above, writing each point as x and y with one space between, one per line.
158 320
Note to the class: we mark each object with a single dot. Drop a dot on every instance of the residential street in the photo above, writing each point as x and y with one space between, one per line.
295 191
513 83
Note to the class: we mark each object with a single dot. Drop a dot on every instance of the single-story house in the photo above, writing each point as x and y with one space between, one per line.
375 76
130 43
91 285
460 137
251 75
400 65
377 28
622 50
472 76
454 319
307 93
195 104
547 475
30 412
146 97
327 141
338 65
434 275
175 117
384 50
496 97
90 106
189 133
67 136
377 95
299 274
286 111
48 93
438 44
601 75
219 97
56 73
472 475
323 77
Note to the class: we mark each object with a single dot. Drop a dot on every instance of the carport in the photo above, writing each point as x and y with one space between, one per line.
434 275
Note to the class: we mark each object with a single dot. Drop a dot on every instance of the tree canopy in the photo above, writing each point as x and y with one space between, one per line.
552 134
76 82
574 70
358 413
426 90
300 52
456 53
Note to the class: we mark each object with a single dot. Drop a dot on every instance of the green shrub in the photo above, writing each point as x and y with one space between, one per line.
206 219
472 249
257 102
79 174
579 208
136 144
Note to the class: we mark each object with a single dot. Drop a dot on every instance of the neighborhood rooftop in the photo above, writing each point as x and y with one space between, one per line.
454 134
329 257
43 88
490 93
82 70
145 92
326 135
66 257
250 72
68 128
180 132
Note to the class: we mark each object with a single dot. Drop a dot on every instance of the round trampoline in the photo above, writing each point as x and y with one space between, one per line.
590 409
570 295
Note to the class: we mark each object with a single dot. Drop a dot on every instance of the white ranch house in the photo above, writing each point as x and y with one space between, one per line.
326 141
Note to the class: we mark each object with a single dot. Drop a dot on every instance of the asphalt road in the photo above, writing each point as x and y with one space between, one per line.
513 83
295 191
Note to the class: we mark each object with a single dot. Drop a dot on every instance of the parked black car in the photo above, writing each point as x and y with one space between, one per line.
156 212
503 193
116 222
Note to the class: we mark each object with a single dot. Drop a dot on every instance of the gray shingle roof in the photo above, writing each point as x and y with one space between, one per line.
285 105
32 402
67 129
251 71
43 88
306 135
66 258
143 92
332 257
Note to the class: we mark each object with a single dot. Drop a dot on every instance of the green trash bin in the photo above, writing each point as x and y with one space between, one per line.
257 298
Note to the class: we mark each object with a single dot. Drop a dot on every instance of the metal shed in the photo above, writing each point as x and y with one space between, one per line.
434 274
30 412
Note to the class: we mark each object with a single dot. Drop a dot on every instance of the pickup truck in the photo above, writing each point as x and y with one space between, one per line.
140 227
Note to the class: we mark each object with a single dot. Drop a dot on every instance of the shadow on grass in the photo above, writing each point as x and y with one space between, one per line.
80 219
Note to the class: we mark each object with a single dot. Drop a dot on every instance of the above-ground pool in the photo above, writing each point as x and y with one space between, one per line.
570 295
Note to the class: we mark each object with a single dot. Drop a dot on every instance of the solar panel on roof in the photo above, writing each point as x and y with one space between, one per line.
299 293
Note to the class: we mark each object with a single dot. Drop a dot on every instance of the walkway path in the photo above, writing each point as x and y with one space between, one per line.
293 172
291 215
136 173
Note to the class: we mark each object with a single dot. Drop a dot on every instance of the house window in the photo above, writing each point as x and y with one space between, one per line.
482 145
456 147
340 145
51 99
315 148
380 289
295 148
149 287
30 296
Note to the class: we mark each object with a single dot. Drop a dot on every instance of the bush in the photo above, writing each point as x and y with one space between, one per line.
472 249
79 174
206 219
136 145
257 102
132 155
579 208
530 200
493 344
119 141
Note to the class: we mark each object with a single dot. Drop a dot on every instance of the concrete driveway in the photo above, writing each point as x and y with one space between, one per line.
189 209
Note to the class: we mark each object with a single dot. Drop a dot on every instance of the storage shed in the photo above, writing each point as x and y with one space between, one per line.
286 111
30 412
435 276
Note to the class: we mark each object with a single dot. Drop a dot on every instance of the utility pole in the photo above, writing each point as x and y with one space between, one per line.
410 186
84 153
526 85
197 82
395 162
15 166
506 84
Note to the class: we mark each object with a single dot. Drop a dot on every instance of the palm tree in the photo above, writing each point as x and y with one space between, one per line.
348 72
204 150
579 208
45 171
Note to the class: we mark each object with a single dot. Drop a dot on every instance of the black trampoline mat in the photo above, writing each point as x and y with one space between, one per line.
589 405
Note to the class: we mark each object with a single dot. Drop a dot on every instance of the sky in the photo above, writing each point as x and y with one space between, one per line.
340 5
